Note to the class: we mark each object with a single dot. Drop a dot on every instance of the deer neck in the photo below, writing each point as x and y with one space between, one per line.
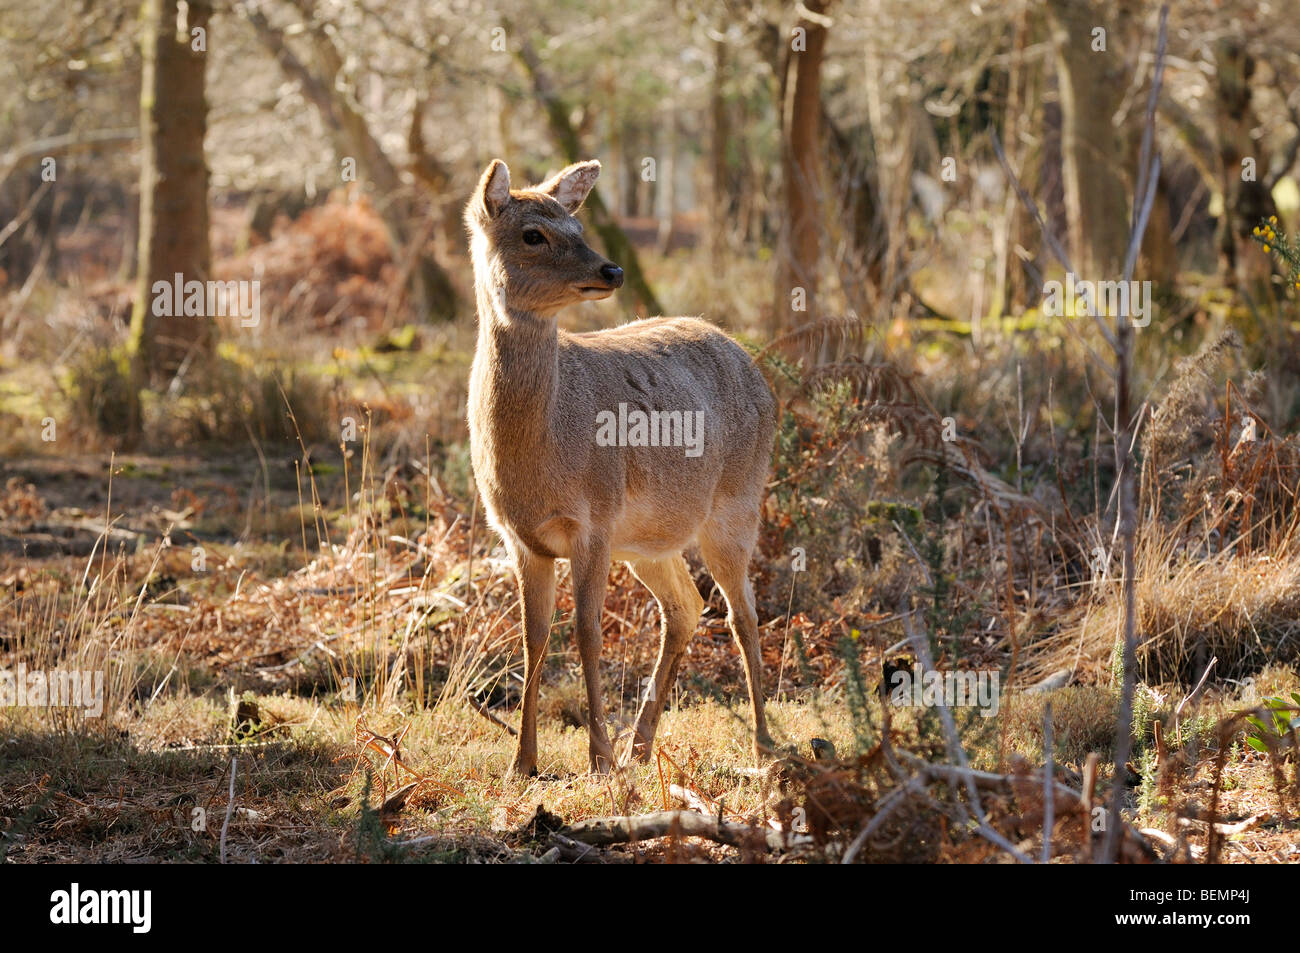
515 378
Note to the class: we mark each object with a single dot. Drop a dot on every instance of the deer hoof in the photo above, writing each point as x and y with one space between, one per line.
522 769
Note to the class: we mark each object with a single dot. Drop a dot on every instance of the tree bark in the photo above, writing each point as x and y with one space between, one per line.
893 136
1159 259
803 180
1091 87
1008 272
854 179
666 180
1244 202
720 179
173 232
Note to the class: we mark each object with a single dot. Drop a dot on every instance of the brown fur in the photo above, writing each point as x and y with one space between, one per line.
552 491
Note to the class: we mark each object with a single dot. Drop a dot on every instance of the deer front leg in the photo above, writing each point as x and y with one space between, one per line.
590 576
536 575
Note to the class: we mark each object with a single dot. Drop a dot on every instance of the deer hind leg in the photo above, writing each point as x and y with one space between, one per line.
536 576
669 581
727 545
590 578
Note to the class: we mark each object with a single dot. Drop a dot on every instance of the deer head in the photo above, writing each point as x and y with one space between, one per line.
528 245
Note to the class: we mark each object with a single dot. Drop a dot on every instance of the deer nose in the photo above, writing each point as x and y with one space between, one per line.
613 274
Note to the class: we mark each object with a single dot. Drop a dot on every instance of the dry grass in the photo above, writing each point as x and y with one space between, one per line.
1245 613
1218 556
73 789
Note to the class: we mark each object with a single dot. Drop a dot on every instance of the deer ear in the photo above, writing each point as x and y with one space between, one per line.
493 192
570 186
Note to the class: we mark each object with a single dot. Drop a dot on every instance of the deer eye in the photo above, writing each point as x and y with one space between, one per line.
533 237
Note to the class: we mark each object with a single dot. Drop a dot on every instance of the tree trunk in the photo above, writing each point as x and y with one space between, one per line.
666 180
893 133
1008 270
853 175
1245 200
720 184
1158 261
1091 86
173 231
802 181
1159 258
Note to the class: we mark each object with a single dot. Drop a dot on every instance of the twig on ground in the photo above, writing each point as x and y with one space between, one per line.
1195 691
230 809
483 710
1049 802
888 804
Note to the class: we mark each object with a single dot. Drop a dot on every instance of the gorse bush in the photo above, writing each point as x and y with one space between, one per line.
1281 246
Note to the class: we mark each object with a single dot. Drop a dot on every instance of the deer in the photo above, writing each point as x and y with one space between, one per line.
552 488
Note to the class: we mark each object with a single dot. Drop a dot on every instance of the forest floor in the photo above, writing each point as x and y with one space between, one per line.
233 653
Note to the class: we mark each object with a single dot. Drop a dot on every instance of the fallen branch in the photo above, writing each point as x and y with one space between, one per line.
575 853
1226 829
1173 845
602 831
